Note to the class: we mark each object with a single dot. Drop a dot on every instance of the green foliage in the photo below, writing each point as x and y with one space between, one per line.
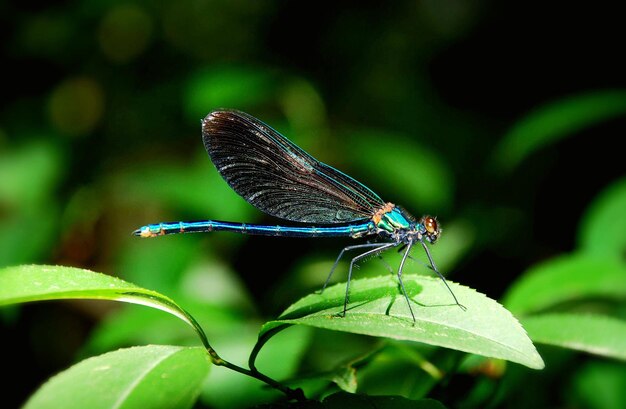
555 121
596 334
377 308
100 134
374 314
564 302
28 177
603 229
564 279
152 376
40 283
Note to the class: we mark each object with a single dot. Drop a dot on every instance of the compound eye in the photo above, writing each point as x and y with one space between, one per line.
431 225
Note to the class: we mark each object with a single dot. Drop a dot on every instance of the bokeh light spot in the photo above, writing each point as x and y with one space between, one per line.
125 33
75 106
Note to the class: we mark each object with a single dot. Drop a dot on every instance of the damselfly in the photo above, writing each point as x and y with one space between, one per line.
282 180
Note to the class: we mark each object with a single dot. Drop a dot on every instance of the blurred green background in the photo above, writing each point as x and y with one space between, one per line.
503 120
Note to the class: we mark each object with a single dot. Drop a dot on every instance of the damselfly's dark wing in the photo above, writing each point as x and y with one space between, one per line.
278 177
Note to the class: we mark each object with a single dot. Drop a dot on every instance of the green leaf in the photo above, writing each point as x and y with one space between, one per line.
555 121
603 227
566 278
39 283
119 329
596 334
208 289
153 376
377 308
422 368
345 378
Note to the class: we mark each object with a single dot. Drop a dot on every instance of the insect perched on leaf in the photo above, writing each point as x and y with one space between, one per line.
282 180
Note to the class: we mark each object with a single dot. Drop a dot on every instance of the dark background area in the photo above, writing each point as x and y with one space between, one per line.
100 134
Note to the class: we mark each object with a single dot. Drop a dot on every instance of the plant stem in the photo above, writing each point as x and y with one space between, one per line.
296 394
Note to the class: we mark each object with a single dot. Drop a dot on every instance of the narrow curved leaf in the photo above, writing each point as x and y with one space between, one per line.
566 278
596 334
603 228
378 308
555 121
153 376
40 283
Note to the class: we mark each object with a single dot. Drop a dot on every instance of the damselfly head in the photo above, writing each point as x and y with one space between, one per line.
431 229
